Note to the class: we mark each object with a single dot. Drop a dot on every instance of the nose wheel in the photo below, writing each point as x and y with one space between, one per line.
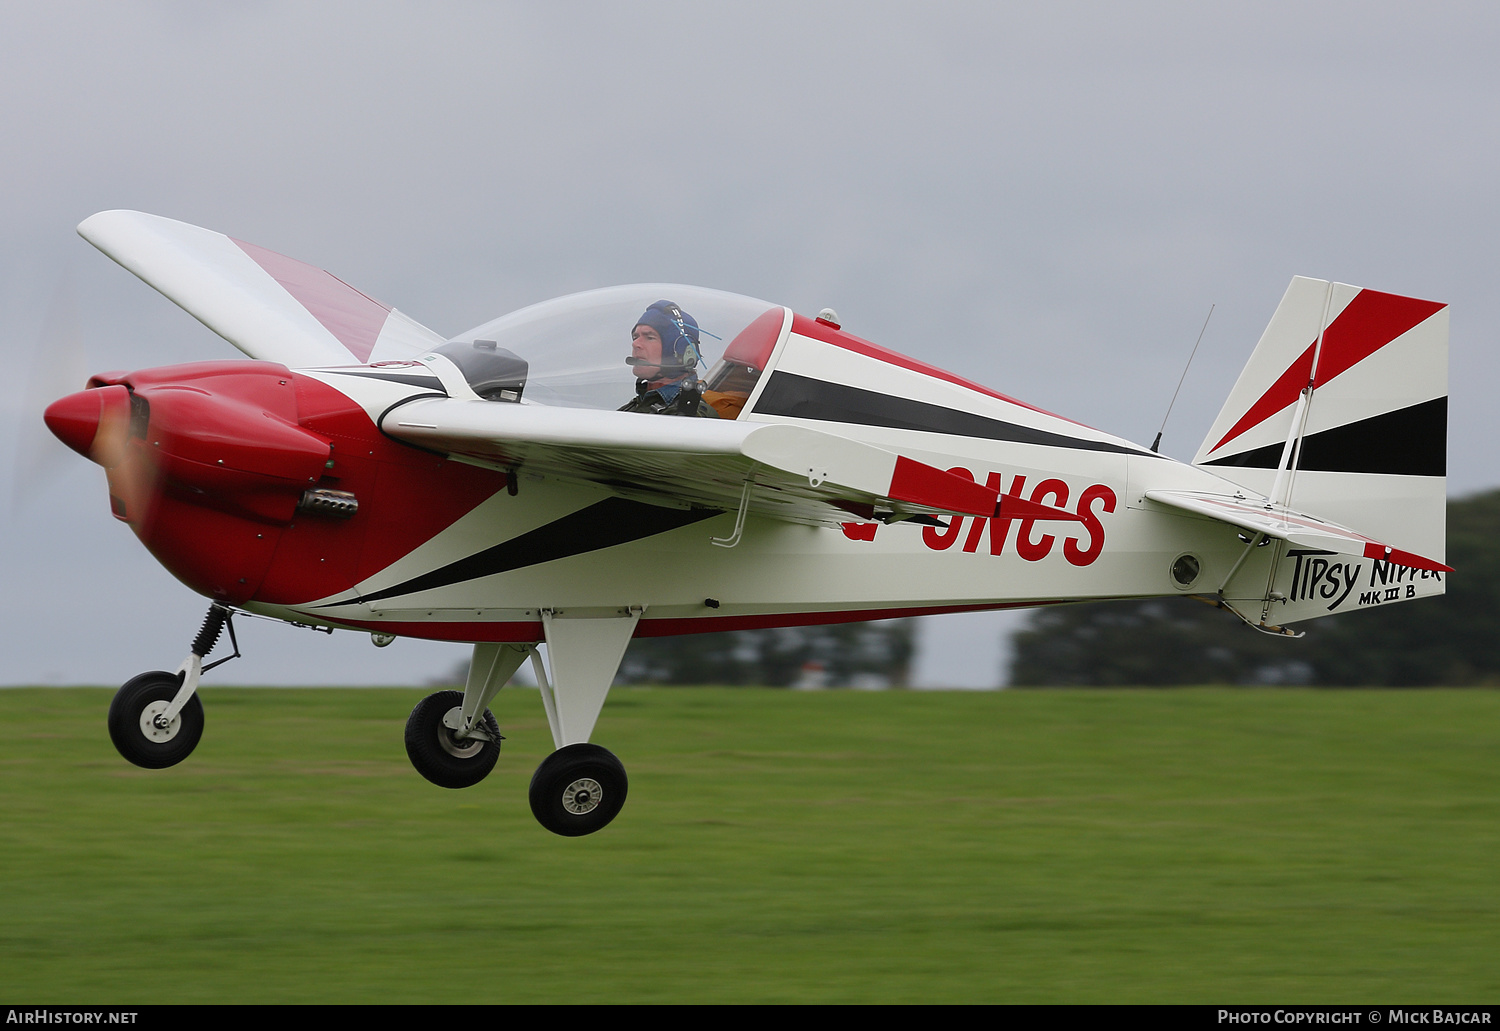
578 790
142 729
156 719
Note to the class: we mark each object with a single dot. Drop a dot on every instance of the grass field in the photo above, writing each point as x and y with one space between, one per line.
1086 846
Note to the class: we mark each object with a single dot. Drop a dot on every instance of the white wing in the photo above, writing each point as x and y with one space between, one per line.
799 474
266 304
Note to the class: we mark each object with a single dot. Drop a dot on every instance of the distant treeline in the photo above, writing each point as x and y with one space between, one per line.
1453 640
839 655
869 655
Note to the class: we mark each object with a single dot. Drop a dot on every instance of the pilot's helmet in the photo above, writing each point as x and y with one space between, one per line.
679 335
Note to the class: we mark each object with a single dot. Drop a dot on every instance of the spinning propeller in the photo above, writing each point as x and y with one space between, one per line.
59 365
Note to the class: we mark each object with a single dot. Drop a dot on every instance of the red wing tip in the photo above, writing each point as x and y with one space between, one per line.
1404 558
922 484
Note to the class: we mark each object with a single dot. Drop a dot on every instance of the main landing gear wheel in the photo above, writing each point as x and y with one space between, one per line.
134 724
443 758
578 789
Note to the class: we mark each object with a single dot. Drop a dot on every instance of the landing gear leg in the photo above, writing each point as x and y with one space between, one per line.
156 719
579 788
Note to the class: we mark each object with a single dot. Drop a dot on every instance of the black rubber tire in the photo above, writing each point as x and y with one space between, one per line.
559 789
130 739
437 755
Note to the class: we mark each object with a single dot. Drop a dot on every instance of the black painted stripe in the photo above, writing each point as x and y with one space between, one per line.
412 379
801 397
1407 442
603 525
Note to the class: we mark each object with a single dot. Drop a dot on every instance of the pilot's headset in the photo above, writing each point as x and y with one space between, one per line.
679 337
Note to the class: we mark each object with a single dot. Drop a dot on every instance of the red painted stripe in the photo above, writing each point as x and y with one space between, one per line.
531 630
353 318
518 632
923 484
1367 324
804 326
674 627
1404 558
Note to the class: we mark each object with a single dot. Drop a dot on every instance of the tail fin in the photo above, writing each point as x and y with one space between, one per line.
1343 411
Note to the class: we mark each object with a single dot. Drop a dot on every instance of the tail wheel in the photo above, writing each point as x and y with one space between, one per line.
440 756
137 730
578 790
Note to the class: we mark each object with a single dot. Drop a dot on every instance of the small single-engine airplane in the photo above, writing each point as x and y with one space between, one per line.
362 472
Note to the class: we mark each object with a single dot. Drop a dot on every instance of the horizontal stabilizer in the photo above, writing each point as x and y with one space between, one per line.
268 305
1260 517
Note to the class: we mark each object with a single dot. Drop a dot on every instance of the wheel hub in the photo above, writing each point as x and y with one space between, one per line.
155 726
582 796
465 749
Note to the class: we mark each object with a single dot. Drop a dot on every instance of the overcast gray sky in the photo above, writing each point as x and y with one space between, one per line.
1045 198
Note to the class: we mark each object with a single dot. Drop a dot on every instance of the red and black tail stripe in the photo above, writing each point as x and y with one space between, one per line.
1410 441
1369 322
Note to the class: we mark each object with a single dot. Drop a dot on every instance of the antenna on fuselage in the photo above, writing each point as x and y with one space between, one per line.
1155 444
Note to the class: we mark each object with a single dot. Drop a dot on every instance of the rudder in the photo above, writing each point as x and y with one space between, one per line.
1369 443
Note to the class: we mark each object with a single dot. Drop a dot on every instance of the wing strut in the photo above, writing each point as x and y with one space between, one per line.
585 651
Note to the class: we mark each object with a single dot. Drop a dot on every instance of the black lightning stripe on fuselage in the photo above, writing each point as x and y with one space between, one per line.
802 397
603 525
1409 441
409 378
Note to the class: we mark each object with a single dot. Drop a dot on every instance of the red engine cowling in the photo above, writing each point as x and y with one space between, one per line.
206 462
211 464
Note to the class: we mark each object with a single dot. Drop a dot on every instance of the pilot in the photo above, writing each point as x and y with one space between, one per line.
664 353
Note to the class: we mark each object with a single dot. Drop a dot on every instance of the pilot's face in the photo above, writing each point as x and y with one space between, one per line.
645 343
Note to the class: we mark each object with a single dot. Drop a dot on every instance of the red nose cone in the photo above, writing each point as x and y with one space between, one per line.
94 422
74 420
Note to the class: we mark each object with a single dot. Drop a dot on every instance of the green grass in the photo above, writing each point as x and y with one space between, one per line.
1090 846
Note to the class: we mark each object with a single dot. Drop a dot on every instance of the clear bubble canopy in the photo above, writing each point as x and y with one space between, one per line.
571 351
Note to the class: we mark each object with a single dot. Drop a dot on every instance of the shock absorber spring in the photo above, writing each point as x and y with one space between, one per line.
213 626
